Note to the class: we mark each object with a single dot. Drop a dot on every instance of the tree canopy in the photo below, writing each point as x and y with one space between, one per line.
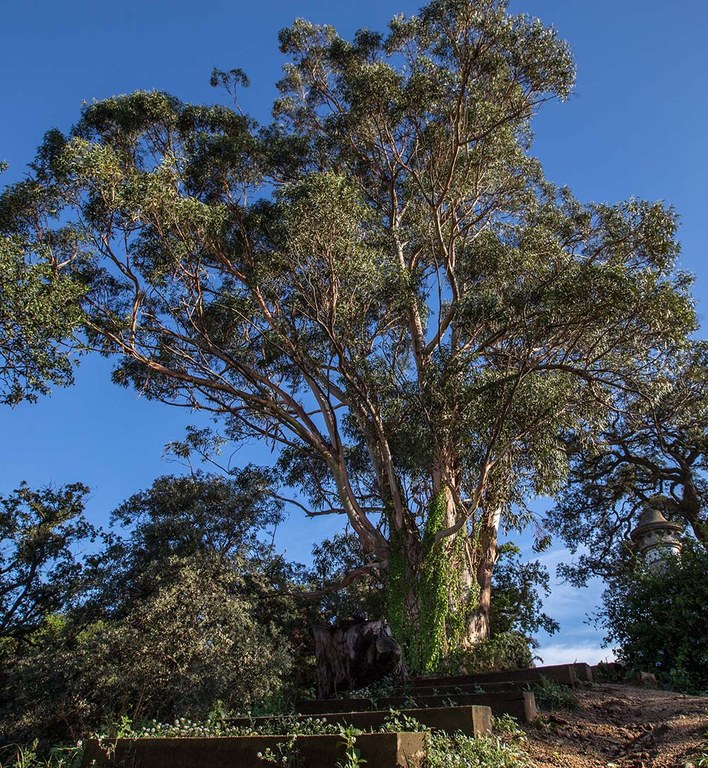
381 284
40 531
39 314
220 519
653 451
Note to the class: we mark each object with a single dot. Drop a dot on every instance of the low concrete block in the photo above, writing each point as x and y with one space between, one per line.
565 674
444 690
647 679
471 720
583 673
518 704
382 750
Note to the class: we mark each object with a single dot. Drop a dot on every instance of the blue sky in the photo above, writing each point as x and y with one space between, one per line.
634 127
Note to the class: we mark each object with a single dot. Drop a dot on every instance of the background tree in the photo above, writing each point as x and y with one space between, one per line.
41 532
518 586
176 614
654 449
194 643
333 561
226 519
410 313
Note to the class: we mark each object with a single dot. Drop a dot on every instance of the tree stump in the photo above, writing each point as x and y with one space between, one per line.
354 654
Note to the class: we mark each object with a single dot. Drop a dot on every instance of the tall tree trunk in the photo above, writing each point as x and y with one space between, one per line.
484 558
403 608
440 588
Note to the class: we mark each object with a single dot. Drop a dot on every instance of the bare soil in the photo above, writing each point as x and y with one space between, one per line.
621 726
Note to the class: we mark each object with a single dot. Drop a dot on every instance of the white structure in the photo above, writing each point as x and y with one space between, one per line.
656 538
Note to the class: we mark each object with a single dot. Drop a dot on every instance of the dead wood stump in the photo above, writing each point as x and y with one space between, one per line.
354 654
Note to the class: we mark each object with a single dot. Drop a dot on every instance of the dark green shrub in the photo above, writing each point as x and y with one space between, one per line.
509 650
194 641
659 621
490 751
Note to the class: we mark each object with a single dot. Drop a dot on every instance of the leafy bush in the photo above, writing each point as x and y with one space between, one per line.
29 756
506 651
660 622
504 749
178 610
191 642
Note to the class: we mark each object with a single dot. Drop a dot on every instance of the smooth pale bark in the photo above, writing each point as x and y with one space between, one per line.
485 557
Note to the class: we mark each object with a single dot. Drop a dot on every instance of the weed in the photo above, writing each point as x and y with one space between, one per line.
286 754
509 726
18 756
552 695
461 751
353 758
397 722
700 759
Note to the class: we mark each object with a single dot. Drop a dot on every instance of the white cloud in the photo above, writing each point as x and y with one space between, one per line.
573 608
552 557
590 653
569 605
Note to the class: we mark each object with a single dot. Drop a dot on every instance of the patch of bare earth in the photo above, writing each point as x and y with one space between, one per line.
623 726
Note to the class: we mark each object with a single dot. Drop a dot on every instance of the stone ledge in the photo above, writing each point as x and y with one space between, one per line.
472 688
565 674
380 750
518 704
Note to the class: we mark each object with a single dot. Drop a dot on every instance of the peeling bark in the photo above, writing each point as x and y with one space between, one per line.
353 655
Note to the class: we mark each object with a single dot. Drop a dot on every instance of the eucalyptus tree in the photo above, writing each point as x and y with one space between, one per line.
381 284
39 312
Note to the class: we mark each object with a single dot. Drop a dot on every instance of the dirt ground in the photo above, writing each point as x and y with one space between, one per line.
624 727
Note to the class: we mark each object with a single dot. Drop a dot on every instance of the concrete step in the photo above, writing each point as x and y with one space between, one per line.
518 704
440 690
470 720
380 750
565 674
607 668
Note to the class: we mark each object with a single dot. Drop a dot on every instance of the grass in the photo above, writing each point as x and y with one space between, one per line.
28 756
